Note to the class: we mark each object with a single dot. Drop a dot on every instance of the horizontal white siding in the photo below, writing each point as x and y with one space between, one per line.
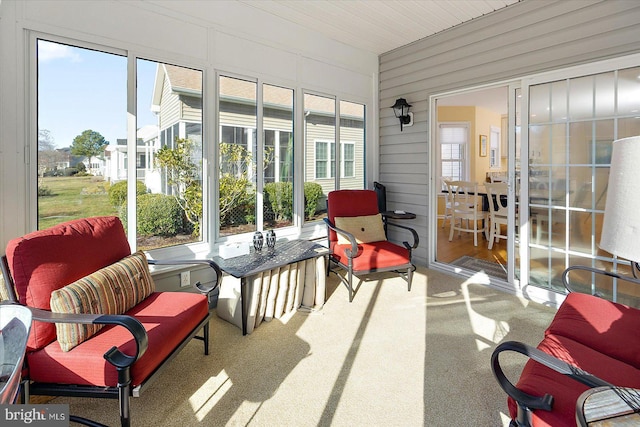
523 39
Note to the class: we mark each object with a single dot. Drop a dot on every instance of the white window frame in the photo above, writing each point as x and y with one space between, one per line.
132 56
343 159
495 154
464 161
330 159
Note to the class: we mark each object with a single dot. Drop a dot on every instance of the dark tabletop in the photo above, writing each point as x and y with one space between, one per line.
396 215
269 258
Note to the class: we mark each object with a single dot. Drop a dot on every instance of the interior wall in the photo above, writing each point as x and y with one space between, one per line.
523 39
228 36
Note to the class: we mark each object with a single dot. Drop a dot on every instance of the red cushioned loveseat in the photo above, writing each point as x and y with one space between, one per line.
86 266
590 342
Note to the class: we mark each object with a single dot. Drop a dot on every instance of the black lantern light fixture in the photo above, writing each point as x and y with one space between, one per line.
401 110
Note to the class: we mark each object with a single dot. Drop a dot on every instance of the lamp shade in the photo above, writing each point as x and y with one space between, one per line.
621 227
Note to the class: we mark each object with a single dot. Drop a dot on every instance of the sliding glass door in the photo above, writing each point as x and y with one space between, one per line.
571 124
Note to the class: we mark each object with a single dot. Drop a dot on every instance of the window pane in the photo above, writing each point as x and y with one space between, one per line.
352 140
238 148
169 210
320 126
570 166
628 87
278 156
453 140
74 130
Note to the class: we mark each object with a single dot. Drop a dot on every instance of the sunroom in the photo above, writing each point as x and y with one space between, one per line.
271 107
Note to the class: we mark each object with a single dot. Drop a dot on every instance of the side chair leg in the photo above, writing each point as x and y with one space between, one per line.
205 336
409 278
124 396
350 285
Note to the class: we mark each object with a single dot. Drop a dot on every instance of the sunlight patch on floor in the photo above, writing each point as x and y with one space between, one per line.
488 331
208 396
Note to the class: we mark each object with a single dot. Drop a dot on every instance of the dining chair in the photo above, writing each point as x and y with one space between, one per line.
448 200
497 196
467 209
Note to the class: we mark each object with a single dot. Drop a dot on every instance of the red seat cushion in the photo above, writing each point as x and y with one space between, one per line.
46 260
377 255
537 379
167 317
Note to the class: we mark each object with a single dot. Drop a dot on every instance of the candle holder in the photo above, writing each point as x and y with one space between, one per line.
271 239
258 240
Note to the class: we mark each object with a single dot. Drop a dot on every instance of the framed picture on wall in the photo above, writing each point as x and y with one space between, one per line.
483 145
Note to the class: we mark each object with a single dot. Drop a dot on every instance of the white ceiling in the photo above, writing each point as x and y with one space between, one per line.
378 26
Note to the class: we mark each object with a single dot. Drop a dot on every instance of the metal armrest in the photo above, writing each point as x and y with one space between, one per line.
201 288
565 276
351 253
416 240
113 355
8 279
535 402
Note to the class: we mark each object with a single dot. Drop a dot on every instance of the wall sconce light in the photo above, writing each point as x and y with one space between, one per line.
401 110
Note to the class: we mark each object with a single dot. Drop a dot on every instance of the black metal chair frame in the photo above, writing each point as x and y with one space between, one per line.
353 253
122 362
527 402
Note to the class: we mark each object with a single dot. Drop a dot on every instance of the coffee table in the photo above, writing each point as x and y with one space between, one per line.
256 262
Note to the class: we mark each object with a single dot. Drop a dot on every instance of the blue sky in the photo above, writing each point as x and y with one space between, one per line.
80 89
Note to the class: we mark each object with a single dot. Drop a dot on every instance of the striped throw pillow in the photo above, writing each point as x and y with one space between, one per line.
111 290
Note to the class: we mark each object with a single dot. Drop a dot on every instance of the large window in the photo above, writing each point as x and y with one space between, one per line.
238 148
453 148
278 156
99 155
255 195
352 149
84 152
328 167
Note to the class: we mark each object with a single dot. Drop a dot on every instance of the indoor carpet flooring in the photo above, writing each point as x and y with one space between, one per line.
389 358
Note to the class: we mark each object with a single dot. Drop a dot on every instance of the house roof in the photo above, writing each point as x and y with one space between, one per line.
189 81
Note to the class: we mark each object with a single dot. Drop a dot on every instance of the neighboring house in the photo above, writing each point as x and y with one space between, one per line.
177 99
115 165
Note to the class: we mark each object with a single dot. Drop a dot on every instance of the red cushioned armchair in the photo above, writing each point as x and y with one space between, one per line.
591 342
124 352
357 238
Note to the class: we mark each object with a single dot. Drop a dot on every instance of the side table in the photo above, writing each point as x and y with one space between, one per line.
387 215
248 266
608 406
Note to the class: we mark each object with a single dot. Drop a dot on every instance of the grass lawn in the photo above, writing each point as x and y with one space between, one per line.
86 196
72 198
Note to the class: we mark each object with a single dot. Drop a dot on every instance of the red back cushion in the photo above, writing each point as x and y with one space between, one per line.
602 325
46 260
350 203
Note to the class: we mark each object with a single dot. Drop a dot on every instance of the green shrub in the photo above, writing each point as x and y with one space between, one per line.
70 171
312 193
44 191
280 199
118 192
159 215
234 193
